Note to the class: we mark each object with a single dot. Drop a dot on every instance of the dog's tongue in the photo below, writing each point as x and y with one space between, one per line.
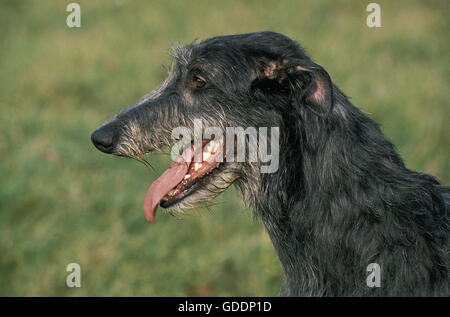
168 180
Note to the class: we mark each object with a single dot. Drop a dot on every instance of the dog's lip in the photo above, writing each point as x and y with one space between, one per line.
183 176
169 200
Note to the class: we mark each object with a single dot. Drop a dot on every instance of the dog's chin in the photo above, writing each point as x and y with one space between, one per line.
203 191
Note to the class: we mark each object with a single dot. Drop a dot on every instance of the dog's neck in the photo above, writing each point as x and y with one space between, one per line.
335 192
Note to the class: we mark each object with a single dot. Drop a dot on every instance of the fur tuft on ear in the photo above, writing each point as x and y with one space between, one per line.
308 85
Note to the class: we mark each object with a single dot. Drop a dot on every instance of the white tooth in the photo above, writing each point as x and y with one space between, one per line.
197 166
187 176
206 155
212 146
215 147
170 193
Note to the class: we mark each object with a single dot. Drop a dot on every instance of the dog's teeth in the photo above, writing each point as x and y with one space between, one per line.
216 147
171 193
206 155
212 146
187 176
197 166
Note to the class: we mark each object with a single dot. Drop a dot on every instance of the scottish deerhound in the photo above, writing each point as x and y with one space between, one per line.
341 200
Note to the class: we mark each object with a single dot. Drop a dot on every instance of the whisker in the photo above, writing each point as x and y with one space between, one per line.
147 163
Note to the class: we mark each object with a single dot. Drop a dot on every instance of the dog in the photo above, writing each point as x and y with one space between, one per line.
341 201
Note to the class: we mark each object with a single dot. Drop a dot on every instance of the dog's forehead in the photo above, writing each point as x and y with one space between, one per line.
227 56
242 47
210 59
182 54
197 53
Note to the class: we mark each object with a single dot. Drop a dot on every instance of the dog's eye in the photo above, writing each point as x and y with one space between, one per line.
198 82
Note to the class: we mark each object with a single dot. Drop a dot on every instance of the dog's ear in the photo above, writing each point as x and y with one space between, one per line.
309 85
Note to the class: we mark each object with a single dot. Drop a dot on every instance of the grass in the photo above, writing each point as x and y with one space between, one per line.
61 201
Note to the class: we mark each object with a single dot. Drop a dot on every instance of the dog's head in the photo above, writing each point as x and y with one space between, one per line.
252 83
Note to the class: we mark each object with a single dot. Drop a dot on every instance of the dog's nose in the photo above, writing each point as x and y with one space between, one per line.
103 139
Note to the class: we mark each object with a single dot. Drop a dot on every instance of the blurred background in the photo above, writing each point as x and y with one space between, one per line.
62 201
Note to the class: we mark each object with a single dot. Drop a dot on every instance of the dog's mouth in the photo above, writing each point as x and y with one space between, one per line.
184 176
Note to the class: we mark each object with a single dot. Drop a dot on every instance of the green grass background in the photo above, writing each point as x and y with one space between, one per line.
62 201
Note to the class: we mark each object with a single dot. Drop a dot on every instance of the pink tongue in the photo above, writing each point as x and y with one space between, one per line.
168 180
